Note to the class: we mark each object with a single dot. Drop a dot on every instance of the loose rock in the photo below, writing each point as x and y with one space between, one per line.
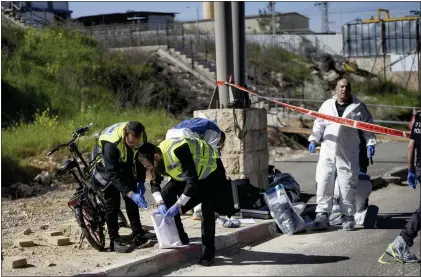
59 240
16 262
24 243
27 231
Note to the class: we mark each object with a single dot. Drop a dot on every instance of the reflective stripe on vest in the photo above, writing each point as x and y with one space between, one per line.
115 134
197 148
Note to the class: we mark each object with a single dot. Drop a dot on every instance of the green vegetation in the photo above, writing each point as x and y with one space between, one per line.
56 80
268 59
388 93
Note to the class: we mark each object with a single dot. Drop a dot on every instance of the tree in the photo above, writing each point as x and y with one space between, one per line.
269 21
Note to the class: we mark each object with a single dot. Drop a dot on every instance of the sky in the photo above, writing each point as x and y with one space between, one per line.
339 12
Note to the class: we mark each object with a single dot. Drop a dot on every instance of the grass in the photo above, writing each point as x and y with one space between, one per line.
388 93
56 80
25 142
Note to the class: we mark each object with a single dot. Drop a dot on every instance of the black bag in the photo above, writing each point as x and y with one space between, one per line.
247 196
292 188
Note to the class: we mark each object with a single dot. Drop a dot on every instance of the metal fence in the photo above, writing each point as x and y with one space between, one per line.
372 39
130 35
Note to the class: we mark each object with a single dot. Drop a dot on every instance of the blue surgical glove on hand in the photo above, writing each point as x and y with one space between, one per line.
162 209
370 151
312 147
412 178
141 188
174 210
139 200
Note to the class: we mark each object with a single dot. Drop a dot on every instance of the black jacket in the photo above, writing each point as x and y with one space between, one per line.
121 174
188 166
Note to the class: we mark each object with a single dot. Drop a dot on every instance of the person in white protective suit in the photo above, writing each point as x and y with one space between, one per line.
339 155
201 128
363 190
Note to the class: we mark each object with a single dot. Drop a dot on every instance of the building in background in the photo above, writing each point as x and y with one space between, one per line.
147 21
37 13
289 23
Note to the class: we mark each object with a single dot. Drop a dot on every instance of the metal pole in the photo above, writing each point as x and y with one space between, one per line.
206 49
182 35
192 54
223 47
168 36
197 25
384 49
239 50
417 37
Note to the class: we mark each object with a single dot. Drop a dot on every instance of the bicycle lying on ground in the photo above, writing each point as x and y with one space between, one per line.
88 201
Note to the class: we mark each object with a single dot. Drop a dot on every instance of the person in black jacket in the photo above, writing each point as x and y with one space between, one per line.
117 151
191 184
400 247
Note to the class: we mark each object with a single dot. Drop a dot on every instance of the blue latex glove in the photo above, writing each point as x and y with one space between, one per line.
162 209
312 147
370 151
174 210
141 188
139 200
412 178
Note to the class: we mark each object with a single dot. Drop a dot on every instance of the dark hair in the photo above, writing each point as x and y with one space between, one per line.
222 136
135 128
148 150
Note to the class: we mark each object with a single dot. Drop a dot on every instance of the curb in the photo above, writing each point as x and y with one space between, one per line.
394 176
166 258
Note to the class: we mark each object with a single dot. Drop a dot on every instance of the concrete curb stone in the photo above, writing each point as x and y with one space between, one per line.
166 258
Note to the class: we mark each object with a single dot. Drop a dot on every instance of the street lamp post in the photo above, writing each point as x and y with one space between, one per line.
197 22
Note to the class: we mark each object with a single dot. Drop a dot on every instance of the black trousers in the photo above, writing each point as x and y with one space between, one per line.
210 191
112 206
409 233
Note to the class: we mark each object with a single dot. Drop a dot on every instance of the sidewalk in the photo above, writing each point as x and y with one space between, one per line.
160 259
45 259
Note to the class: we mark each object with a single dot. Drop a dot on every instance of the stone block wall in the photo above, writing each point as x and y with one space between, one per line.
245 153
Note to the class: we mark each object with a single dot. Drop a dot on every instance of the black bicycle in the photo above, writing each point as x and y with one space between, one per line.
88 201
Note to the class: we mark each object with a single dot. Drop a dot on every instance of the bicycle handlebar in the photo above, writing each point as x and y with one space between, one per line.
76 134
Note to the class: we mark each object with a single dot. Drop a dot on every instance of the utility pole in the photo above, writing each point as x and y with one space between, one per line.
197 25
239 50
223 48
419 48
325 15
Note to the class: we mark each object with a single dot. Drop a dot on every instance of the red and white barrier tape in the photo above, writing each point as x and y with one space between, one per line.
340 120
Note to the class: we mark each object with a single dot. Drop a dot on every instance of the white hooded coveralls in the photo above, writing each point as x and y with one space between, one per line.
339 154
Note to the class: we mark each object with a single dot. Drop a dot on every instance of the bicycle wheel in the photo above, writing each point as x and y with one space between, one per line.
122 220
93 232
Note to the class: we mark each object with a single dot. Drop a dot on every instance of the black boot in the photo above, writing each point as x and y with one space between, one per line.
143 237
185 239
119 246
208 257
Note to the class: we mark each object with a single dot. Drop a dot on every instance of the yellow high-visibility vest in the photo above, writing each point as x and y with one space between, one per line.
204 157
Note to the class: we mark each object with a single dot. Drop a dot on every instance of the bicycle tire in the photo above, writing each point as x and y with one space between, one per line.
122 220
97 242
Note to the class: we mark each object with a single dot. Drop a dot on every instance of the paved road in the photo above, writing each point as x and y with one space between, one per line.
387 157
333 253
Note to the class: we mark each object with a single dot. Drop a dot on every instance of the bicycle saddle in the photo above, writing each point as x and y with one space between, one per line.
66 167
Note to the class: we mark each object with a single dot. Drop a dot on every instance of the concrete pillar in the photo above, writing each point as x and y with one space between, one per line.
223 45
245 153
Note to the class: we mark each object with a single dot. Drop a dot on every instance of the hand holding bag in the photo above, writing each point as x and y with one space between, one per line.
166 231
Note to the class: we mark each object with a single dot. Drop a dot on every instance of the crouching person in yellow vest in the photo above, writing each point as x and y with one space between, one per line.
197 176
117 151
